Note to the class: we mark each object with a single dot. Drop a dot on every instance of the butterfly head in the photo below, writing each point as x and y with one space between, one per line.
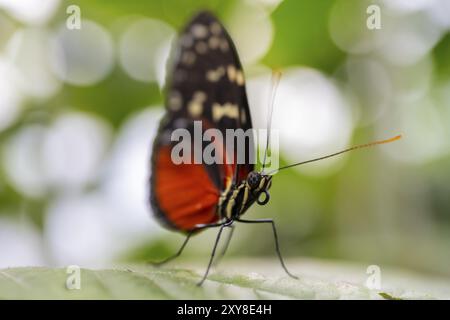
259 185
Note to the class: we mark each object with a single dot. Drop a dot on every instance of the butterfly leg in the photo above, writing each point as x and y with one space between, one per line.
224 225
192 232
277 246
225 247
160 263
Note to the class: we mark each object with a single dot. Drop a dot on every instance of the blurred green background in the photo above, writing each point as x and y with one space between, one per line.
79 110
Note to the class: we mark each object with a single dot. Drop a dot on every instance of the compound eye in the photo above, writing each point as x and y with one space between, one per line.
253 179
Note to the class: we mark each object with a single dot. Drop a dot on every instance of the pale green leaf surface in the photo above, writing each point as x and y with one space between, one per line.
240 279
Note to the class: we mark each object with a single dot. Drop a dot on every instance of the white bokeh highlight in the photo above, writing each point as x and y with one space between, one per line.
73 149
440 13
126 182
66 155
246 21
22 162
370 85
29 50
82 57
423 126
76 231
311 115
407 39
144 48
30 11
93 229
406 6
354 40
20 244
412 82
10 94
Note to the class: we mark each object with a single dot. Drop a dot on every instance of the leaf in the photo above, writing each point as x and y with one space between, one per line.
387 296
234 280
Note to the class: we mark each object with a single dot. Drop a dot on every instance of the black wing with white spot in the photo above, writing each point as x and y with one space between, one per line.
206 83
207 79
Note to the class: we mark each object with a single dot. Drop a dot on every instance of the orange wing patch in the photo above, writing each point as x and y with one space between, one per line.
185 193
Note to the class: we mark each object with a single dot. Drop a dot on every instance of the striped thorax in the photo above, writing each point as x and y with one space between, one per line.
235 200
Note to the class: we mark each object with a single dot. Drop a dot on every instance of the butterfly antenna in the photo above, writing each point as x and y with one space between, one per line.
361 146
276 76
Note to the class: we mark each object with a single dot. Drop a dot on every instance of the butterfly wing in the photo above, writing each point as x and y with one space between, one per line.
207 84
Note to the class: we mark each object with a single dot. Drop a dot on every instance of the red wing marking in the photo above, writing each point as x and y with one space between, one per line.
185 192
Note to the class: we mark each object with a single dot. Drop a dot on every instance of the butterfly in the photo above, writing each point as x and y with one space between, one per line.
207 84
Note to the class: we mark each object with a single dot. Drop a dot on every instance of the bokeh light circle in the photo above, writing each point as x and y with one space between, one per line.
82 57
30 11
144 47
20 244
76 230
344 15
25 176
246 21
73 148
10 94
311 115
128 170
29 50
